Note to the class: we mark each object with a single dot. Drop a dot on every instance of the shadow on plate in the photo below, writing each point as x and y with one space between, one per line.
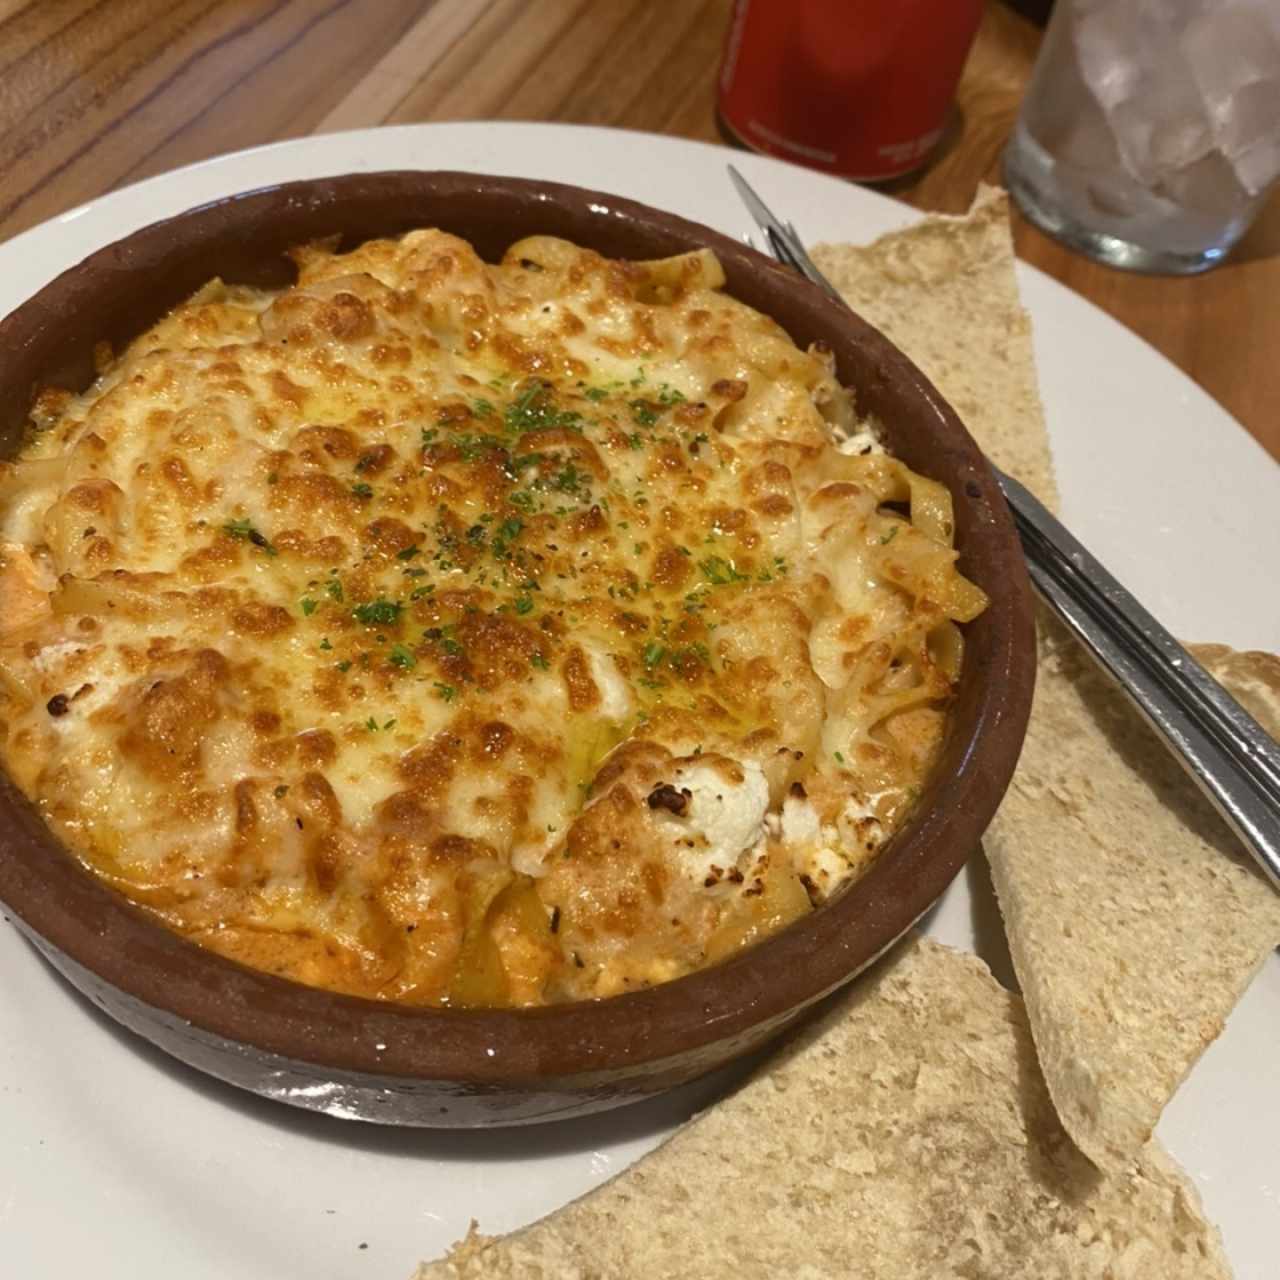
989 938
649 1118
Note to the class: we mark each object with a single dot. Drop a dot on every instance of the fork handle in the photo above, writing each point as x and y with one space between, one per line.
1223 748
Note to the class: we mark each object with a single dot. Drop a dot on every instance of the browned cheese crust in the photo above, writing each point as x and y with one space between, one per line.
449 632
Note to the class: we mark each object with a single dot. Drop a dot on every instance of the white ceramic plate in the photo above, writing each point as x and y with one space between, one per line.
116 1161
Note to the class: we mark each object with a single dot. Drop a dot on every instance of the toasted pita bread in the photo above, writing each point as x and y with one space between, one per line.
1133 923
945 291
906 1132
1253 679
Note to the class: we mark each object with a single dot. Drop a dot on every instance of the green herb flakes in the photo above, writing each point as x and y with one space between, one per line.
642 413
401 656
720 572
244 530
380 612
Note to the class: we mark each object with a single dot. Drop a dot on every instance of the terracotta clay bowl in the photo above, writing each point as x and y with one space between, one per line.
363 1059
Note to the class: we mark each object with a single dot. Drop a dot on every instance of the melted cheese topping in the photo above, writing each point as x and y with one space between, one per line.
456 633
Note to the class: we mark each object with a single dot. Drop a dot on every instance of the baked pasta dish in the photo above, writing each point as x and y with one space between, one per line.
478 635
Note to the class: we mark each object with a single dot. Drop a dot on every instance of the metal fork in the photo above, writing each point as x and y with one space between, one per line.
1224 749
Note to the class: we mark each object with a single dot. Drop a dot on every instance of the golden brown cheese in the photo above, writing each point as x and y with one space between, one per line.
456 633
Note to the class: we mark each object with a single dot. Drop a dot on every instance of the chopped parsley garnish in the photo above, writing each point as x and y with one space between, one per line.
344 666
595 394
839 757
524 604
444 637
401 656
508 531
643 414
568 479
362 491
654 653
325 645
379 612
446 691
471 446
720 571
690 654
408 553
889 537
482 408
540 662
533 409
333 588
244 530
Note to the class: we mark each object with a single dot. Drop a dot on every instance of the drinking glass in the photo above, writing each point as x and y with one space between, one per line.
1150 132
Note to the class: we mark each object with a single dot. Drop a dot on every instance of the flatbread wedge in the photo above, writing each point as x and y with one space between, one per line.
1134 926
906 1132
1135 920
945 291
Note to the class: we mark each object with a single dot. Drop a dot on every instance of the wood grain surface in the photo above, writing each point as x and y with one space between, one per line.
95 94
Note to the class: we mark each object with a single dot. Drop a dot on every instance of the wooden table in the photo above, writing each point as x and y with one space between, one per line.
98 93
